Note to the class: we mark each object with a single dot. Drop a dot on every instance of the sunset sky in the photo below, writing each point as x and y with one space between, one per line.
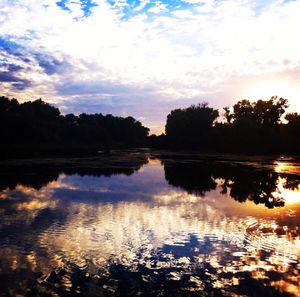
145 58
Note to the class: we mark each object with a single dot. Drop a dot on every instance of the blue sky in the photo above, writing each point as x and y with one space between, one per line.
145 58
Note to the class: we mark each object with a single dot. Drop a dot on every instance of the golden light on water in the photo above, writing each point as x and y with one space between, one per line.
286 167
36 205
171 229
128 229
289 196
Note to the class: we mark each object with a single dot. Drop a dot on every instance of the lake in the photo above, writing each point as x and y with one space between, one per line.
150 224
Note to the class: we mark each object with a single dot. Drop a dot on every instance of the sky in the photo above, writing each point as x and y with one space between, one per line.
143 58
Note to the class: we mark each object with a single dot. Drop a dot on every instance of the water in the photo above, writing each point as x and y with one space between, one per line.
159 226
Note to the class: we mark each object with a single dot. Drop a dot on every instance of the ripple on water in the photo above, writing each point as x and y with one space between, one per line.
263 236
215 255
177 248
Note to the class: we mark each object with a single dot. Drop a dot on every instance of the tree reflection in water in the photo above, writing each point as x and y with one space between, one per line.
171 230
242 182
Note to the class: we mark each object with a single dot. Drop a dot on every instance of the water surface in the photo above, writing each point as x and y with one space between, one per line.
162 226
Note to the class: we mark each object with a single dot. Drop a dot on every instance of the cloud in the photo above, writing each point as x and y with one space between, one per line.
141 5
7 77
152 53
14 68
158 7
15 82
92 87
49 64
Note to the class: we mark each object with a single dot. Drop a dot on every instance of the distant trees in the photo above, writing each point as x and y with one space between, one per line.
191 126
290 133
293 119
267 113
249 127
252 127
37 123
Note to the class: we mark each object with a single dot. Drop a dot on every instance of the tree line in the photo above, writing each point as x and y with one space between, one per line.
259 127
38 125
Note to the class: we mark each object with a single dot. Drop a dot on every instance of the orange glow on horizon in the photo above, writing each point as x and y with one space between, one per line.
286 167
265 89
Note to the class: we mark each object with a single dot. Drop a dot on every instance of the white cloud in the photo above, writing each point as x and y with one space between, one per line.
186 54
159 7
182 13
198 1
142 5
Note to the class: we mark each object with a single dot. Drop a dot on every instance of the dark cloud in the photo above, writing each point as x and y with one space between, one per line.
10 75
7 77
11 67
14 68
49 64
16 82
21 85
13 49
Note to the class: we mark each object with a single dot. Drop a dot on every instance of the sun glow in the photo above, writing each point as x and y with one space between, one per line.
290 196
265 89
287 167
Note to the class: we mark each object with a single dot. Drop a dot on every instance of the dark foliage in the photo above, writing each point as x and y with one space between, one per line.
35 127
249 127
191 127
38 124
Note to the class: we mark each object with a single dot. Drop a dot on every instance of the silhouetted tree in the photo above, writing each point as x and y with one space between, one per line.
190 127
252 127
260 112
249 127
290 133
293 119
228 115
243 111
37 124
269 112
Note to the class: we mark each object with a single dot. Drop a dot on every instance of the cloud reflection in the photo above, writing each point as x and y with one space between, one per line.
152 238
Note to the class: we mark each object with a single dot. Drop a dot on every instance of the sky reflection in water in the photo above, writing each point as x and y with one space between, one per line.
171 229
